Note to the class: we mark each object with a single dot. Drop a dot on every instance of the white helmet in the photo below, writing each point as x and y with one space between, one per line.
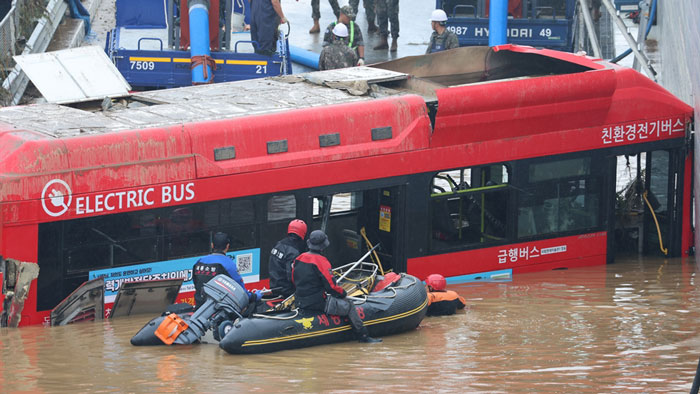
438 16
340 30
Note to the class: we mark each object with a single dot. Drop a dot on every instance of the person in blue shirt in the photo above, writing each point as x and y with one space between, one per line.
218 262
266 16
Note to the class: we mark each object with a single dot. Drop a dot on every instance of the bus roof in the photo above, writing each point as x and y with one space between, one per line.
261 96
455 97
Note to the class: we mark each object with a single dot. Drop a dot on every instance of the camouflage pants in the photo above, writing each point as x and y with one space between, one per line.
388 12
316 11
369 8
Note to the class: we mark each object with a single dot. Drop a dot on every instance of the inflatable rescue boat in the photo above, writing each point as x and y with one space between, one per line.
387 304
400 305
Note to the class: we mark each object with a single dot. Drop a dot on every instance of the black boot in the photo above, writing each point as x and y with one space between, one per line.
363 336
369 339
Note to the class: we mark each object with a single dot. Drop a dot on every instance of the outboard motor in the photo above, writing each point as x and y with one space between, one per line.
225 300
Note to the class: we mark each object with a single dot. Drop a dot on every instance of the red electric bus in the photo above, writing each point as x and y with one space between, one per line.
476 163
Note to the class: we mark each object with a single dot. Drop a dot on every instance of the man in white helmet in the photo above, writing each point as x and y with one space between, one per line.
338 54
441 39
347 17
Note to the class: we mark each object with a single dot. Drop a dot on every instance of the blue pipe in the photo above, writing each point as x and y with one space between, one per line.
304 57
498 22
650 22
199 41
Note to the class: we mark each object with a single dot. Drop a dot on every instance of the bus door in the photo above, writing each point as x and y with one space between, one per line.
384 224
356 221
648 203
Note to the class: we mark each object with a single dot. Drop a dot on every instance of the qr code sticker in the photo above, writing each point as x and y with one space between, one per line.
244 262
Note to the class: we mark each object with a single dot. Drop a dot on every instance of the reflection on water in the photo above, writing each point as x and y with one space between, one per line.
627 327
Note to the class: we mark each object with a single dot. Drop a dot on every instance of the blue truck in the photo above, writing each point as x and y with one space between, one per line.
539 23
150 44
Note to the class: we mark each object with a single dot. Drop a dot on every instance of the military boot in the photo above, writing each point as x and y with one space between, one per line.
371 27
315 28
394 45
383 43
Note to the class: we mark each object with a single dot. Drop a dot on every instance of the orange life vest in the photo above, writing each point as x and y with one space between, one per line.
444 302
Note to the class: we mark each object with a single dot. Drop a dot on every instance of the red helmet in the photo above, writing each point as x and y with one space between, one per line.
436 282
298 227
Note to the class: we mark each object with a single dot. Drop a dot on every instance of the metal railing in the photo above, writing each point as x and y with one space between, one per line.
9 26
15 80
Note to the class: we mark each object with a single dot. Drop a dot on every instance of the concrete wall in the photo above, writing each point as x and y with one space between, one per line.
679 44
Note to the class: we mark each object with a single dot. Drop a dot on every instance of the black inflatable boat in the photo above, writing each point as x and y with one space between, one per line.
388 304
398 307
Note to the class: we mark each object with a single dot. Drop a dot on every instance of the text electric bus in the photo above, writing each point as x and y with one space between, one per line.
477 161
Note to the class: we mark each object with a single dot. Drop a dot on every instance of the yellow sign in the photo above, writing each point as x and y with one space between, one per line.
385 218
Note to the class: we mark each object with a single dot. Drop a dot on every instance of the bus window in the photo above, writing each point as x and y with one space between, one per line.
549 9
469 206
75 247
155 235
238 221
341 217
560 196
281 207
112 240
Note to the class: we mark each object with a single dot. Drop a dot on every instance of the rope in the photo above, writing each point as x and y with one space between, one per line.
204 61
296 313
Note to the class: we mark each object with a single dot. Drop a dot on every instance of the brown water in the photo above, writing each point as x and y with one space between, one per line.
627 327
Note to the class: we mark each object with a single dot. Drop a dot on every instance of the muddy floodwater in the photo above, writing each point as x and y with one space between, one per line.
627 327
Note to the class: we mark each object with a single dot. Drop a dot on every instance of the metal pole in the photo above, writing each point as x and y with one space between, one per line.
356 263
580 40
630 41
643 12
498 22
588 20
171 24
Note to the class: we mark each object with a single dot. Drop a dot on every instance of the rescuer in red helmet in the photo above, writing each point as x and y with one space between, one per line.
440 300
283 255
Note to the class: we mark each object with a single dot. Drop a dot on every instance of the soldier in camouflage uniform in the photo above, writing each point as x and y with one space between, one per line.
338 54
388 12
347 17
316 13
369 11
441 39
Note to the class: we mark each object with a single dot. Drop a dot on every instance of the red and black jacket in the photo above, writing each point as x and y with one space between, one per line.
313 278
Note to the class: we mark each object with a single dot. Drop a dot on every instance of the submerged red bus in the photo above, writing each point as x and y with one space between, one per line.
474 162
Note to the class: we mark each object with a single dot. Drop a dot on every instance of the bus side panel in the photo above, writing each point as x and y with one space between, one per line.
495 111
343 131
565 252
20 244
594 99
130 159
28 161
